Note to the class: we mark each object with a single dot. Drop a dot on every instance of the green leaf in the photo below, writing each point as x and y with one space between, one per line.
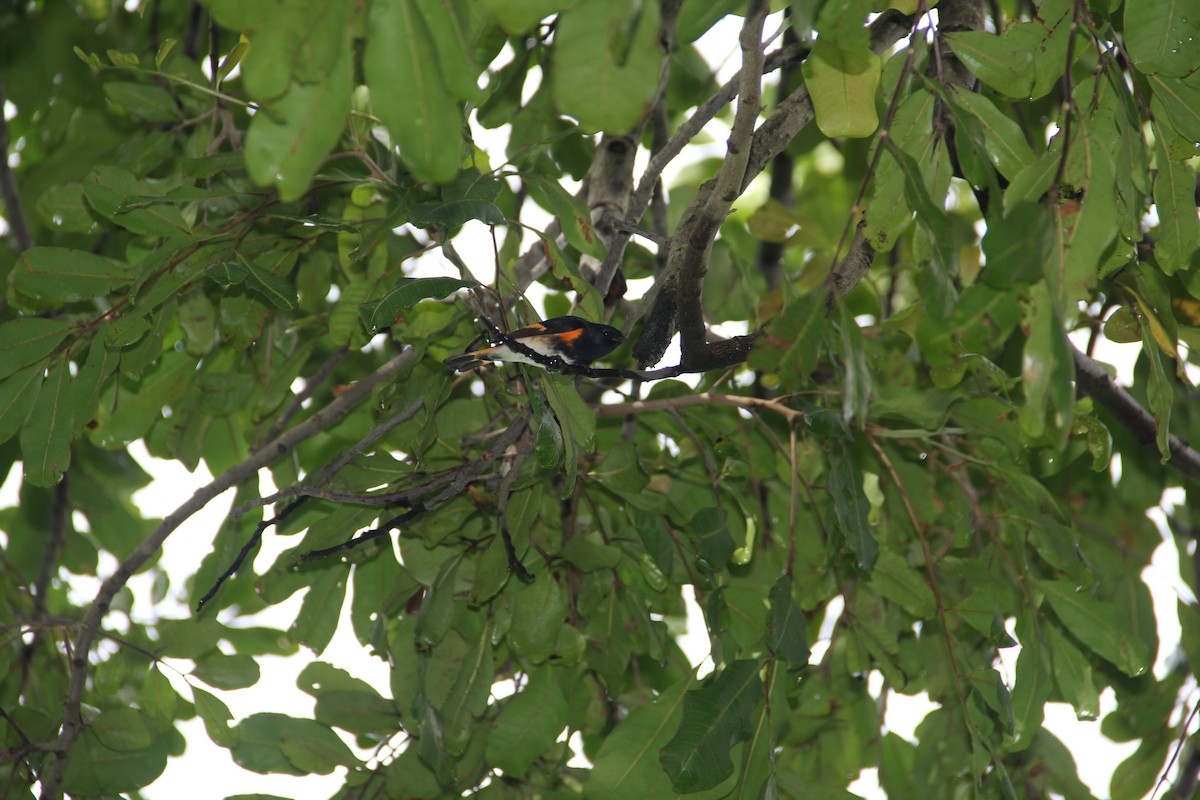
94 769
1175 199
566 270
937 288
893 578
227 273
607 82
301 40
161 386
148 101
316 749
589 553
998 61
538 614
1137 776
437 610
789 635
1018 245
276 743
26 340
1159 390
319 613
843 84
468 699
453 213
792 343
1161 36
1030 693
222 671
279 292
347 702
1181 102
215 715
518 16
548 445
575 418
1048 372
716 716
714 544
1095 623
18 394
424 120
850 507
572 213
384 311
289 139
621 470
123 729
627 764
529 723
1003 140
46 439
455 61
108 189
63 208
1073 675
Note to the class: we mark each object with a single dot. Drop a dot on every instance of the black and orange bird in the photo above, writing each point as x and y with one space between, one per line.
574 340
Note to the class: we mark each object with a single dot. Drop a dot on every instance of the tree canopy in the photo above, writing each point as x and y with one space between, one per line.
885 454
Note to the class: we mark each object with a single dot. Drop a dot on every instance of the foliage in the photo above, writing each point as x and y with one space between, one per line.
216 211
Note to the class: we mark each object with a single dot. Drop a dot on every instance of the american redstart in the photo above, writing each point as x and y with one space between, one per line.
571 339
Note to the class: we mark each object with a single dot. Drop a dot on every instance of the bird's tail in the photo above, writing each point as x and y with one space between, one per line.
467 361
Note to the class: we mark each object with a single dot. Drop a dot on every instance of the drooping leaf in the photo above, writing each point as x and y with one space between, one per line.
424 120
290 138
1161 36
46 438
1094 623
715 717
607 82
529 723
843 84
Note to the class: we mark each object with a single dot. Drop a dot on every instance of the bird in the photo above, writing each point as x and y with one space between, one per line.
571 339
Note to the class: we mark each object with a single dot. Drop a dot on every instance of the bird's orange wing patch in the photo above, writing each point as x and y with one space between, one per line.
570 336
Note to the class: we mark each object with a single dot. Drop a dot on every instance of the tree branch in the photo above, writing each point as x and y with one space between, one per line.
88 628
461 477
674 146
677 304
1090 376
788 119
14 212
708 398
314 482
1096 383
